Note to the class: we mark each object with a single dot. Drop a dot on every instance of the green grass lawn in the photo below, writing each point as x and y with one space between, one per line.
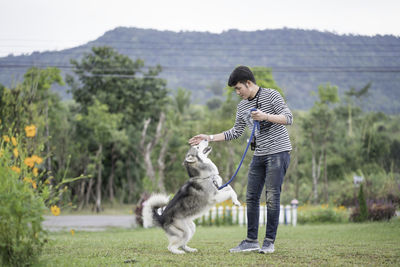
372 244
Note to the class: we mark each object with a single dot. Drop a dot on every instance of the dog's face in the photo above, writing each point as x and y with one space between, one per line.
197 162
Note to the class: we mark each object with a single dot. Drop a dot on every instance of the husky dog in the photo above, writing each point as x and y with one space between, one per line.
196 197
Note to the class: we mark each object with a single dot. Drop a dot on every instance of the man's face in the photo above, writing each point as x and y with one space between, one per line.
242 90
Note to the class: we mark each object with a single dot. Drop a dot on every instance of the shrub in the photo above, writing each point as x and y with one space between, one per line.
24 194
321 214
21 233
380 211
377 211
360 214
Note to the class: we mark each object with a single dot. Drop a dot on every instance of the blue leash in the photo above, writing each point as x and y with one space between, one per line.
256 124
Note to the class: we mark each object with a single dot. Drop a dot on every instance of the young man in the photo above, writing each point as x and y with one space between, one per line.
271 157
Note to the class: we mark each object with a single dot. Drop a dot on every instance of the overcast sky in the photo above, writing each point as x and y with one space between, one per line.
38 25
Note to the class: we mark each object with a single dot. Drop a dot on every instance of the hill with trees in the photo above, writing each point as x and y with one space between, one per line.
201 62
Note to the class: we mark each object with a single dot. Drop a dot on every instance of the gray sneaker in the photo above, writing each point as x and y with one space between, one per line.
267 247
246 245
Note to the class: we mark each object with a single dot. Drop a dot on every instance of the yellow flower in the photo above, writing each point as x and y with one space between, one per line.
55 210
37 159
14 141
29 162
47 181
16 169
35 172
15 152
29 180
72 232
6 138
30 130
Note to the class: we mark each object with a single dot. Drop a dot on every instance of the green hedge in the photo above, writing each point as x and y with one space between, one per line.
322 214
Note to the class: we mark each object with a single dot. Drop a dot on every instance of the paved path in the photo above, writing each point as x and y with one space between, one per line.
88 222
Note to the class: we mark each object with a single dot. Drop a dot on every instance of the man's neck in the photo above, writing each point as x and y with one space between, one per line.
253 91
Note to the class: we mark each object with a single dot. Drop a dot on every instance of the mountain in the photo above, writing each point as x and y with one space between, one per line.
301 60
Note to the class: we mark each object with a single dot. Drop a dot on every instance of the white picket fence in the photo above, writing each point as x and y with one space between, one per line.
237 215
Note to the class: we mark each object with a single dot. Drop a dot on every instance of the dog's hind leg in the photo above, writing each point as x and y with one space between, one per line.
191 230
176 237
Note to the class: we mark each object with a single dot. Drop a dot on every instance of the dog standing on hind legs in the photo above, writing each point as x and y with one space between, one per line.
195 198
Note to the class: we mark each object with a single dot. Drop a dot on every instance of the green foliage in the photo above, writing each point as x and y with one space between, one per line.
26 187
265 79
322 214
363 206
114 95
21 208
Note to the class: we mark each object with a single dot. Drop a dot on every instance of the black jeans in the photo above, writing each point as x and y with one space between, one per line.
268 170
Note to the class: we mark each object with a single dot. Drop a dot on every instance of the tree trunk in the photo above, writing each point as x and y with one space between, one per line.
161 165
326 179
98 185
111 179
350 133
314 177
82 195
89 191
129 177
148 148
316 172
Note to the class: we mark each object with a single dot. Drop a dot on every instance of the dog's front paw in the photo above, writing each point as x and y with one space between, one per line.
236 203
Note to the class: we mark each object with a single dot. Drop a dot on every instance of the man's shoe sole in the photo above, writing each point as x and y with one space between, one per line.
245 250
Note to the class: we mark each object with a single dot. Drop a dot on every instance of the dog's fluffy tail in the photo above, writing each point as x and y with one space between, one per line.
149 212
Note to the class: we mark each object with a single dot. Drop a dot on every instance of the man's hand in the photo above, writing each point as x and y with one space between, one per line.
195 140
258 115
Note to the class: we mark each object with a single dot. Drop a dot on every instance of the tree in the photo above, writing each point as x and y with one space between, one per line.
357 94
265 79
104 128
127 90
318 127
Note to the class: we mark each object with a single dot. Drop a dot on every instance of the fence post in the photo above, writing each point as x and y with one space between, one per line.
240 215
213 215
245 215
234 215
294 204
287 214
262 215
281 215
220 214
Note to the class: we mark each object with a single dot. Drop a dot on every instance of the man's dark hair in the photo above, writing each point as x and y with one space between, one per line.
241 74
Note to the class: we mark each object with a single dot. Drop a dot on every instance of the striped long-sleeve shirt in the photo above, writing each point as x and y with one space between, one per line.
272 138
